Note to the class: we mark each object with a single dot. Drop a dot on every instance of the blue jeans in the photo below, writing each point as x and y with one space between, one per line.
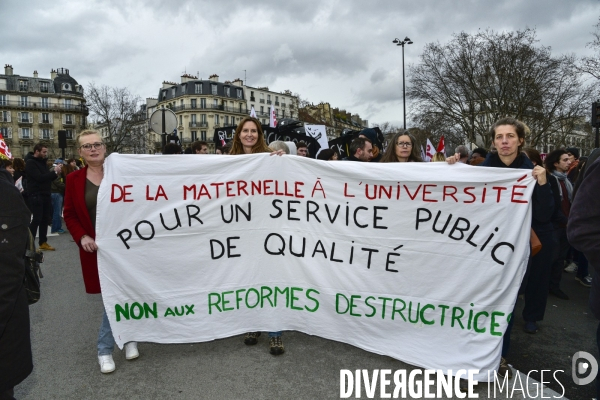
275 334
106 341
57 202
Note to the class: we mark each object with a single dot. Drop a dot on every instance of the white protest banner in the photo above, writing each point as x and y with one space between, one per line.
421 262
319 133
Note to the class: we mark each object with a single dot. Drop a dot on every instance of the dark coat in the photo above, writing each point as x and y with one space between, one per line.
79 223
583 229
39 178
15 344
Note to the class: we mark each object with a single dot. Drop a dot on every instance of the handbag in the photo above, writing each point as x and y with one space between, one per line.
33 273
536 245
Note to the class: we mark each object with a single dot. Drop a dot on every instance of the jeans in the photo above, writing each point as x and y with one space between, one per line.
582 264
40 206
275 334
106 341
57 203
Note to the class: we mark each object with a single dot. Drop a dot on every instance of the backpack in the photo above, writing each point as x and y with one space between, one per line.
33 273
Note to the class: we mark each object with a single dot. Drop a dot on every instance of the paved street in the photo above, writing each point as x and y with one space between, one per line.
66 320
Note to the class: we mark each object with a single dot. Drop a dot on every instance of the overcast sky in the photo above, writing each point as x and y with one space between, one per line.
335 51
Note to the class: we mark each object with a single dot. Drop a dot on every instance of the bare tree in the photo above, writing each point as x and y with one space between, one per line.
116 113
460 88
591 65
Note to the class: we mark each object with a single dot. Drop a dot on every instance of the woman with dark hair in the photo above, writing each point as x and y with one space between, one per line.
19 167
508 137
327 155
249 139
402 148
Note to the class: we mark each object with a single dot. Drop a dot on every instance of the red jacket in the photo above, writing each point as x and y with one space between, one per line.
79 223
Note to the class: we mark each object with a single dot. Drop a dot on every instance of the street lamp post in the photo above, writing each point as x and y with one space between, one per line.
399 42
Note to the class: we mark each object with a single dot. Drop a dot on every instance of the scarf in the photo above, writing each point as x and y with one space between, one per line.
561 176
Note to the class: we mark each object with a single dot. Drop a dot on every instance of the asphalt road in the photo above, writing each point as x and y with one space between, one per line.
66 320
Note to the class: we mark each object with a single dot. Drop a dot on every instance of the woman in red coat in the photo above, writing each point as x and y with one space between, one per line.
80 216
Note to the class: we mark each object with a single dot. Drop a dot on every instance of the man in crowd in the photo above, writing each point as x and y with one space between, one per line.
573 153
464 153
478 156
302 149
39 181
558 162
584 234
200 147
15 343
361 149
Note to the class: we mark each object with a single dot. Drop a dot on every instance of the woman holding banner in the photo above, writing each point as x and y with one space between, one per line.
249 139
80 216
508 137
402 148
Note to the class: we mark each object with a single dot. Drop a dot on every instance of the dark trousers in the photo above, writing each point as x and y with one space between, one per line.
582 264
40 206
538 281
7 395
598 378
558 265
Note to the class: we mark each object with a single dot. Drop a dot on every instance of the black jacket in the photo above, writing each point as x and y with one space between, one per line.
15 345
583 229
39 179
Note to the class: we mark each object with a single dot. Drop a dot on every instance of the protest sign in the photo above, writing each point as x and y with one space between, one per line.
421 262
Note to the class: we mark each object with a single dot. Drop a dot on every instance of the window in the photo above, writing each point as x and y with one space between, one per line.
69 119
45 134
276 100
5 116
184 88
44 87
45 118
194 136
193 103
213 89
227 91
6 133
203 135
262 109
180 120
216 119
251 95
198 88
25 117
69 133
25 133
181 104
173 91
226 120
215 103
23 86
239 93
203 118
194 119
164 95
268 99
3 100
68 104
202 103
45 102
24 101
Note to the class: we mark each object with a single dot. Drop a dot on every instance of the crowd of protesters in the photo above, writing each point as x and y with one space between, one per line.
558 177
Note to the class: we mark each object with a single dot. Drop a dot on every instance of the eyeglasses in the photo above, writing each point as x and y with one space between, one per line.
88 146
404 144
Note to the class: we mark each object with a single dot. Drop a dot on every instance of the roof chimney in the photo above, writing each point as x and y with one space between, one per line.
35 74
238 82
214 78
8 69
53 74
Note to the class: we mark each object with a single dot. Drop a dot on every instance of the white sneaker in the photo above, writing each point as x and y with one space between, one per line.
131 351
571 267
107 365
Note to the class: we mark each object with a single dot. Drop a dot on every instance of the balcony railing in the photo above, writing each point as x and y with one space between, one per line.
69 123
26 121
282 105
262 101
31 105
252 98
45 122
276 103
198 124
268 101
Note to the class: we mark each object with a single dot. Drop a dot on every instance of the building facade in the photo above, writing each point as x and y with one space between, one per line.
34 109
261 98
334 119
201 106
